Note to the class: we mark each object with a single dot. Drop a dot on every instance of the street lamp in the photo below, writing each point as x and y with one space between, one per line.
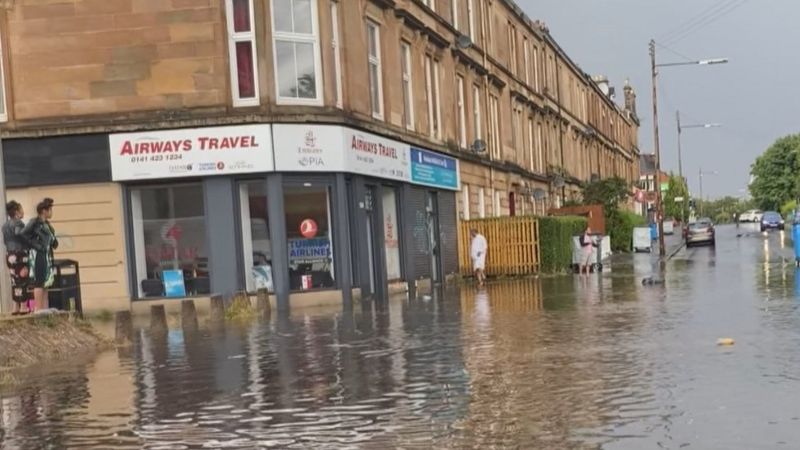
680 154
654 69
702 199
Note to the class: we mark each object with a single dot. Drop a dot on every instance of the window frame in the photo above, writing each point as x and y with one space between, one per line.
374 61
526 59
494 125
296 38
407 79
454 13
337 53
476 112
433 97
471 18
461 110
235 37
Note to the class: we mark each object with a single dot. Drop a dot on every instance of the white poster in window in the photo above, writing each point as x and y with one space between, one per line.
308 148
191 152
371 155
391 234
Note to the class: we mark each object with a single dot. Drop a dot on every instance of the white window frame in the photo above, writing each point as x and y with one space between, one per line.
481 203
408 84
526 60
476 111
434 99
536 80
430 4
494 119
462 112
313 39
471 18
337 53
4 103
512 44
374 61
454 13
233 38
531 161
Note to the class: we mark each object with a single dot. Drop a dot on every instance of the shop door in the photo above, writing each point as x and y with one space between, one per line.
432 208
374 226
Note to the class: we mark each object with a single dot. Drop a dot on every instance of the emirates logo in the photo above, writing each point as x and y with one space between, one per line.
311 140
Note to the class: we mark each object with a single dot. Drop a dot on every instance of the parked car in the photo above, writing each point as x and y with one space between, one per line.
754 215
772 221
699 232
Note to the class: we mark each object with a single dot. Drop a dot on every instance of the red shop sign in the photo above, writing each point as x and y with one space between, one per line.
309 228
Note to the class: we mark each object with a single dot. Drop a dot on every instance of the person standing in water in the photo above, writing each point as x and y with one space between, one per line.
42 238
17 256
587 251
478 250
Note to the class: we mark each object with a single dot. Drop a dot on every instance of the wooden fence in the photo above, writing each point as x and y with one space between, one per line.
513 245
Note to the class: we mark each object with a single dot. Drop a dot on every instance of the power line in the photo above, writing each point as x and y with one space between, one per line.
675 52
710 20
696 19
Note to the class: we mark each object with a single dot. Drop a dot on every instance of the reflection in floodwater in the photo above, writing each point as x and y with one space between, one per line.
559 362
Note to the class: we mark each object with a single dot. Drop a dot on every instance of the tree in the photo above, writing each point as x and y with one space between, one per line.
677 188
776 174
609 192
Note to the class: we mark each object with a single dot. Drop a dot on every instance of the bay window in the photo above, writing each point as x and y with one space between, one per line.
295 41
242 51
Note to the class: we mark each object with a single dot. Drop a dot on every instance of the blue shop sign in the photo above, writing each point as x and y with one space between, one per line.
433 169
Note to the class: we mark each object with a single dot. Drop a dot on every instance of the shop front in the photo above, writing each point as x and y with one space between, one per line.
303 210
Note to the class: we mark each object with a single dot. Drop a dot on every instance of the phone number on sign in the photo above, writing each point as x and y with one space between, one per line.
141 159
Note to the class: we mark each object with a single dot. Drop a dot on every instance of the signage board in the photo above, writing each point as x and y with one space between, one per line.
174 285
375 156
191 152
309 251
433 169
308 148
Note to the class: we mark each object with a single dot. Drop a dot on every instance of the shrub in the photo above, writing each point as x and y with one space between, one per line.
619 226
555 241
788 208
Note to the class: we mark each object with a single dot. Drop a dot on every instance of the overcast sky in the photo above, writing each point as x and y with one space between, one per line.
755 97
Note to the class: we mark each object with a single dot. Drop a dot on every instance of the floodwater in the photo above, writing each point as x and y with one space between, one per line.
557 363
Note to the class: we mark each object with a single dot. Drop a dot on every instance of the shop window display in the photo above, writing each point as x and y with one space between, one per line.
310 238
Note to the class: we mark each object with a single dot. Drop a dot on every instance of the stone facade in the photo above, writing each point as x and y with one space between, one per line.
106 65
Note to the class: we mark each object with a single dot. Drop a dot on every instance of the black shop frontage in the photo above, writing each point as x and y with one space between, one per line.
316 214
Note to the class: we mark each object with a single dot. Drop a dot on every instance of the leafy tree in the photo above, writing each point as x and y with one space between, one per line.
609 192
677 188
776 174
722 210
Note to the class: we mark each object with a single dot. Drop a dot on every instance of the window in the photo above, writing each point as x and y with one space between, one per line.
391 234
310 239
494 131
527 61
432 88
465 200
462 113
256 242
496 203
471 18
169 232
408 87
296 48
512 47
242 49
531 158
430 4
536 83
476 111
454 12
337 56
375 75
481 203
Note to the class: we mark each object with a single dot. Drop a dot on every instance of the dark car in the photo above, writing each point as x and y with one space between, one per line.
772 221
700 232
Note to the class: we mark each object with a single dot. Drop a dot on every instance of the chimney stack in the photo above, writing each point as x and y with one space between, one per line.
630 98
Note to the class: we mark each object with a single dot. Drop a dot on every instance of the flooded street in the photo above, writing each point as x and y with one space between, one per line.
557 363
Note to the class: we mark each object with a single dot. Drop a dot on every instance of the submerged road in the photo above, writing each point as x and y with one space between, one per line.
598 362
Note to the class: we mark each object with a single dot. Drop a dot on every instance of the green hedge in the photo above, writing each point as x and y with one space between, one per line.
555 241
619 226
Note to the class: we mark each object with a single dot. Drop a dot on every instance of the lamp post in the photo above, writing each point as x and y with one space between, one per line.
702 199
680 155
662 250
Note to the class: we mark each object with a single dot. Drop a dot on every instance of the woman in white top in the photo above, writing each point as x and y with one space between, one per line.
477 252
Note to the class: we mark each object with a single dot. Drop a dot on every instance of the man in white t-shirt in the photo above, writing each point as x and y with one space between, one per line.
477 252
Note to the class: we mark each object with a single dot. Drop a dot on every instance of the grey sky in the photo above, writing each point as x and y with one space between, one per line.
754 96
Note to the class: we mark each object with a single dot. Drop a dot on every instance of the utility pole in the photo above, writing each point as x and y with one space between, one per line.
700 203
680 156
662 249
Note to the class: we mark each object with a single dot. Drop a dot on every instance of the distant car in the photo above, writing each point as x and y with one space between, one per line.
754 215
772 221
699 232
